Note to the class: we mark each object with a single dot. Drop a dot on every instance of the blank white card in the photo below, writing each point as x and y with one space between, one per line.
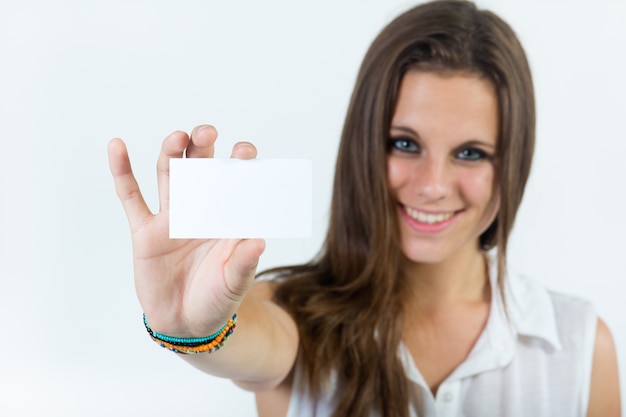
234 198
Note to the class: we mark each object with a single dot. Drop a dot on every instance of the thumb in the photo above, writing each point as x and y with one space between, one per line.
243 264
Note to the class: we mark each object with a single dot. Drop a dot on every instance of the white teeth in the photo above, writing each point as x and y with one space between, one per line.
428 218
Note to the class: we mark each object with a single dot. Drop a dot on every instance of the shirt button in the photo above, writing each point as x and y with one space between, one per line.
447 397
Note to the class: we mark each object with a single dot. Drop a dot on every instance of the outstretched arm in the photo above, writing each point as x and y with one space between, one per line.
191 287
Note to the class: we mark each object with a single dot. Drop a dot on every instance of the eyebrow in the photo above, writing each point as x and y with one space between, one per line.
405 129
469 142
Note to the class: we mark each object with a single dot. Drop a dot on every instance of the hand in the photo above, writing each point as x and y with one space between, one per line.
187 288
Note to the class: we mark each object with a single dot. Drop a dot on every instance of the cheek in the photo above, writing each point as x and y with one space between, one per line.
398 173
479 188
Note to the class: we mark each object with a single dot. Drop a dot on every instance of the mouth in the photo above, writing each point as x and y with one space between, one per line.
426 217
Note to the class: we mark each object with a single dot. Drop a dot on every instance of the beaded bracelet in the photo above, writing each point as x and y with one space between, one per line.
207 344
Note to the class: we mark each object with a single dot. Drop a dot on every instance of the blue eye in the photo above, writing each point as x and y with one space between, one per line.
471 154
403 145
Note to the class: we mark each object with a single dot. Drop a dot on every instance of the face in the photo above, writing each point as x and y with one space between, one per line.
441 163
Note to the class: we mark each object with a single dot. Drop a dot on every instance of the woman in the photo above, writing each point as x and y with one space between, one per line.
404 311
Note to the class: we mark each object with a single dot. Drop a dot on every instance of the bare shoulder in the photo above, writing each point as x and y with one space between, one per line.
604 397
264 289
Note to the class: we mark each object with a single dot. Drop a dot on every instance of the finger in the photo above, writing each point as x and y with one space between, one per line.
126 186
244 150
242 265
173 147
202 142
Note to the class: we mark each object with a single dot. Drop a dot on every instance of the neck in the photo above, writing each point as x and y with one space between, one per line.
461 279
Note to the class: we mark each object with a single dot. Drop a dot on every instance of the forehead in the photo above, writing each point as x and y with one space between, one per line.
453 105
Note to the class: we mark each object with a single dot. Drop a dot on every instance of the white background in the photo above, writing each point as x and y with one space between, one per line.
75 74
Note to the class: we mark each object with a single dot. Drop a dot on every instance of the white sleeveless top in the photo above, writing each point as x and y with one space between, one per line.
538 364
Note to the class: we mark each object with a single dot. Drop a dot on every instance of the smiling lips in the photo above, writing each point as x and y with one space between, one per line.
428 218
428 222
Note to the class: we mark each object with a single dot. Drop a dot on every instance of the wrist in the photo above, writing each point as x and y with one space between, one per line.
192 345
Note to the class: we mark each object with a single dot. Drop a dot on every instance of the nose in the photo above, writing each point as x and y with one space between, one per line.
433 179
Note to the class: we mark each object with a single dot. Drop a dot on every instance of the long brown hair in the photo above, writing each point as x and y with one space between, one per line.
346 301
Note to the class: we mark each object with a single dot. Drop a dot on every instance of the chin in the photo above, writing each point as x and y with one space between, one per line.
425 255
438 252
